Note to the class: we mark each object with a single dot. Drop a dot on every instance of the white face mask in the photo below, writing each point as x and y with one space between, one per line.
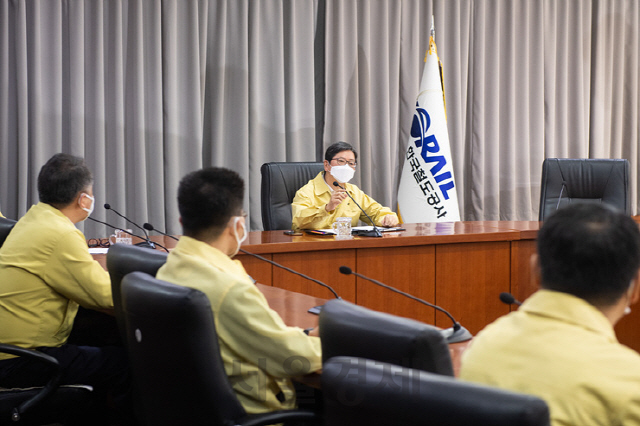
235 231
343 174
93 203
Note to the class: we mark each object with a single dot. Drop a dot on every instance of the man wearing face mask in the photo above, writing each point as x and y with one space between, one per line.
46 272
257 348
318 203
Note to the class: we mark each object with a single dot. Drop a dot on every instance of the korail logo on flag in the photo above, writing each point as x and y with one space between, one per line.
427 190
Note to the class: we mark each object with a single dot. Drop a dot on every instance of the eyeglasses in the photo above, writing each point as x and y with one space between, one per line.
341 161
243 214
98 242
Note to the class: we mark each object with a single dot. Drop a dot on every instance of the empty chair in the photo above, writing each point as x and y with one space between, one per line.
123 259
280 182
350 330
178 373
567 180
358 392
6 225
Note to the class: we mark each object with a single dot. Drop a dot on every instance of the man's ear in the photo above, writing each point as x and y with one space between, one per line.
327 166
635 292
536 274
80 202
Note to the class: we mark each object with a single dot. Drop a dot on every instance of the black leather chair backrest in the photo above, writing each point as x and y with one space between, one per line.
178 372
568 180
174 354
280 182
123 259
6 225
350 330
358 392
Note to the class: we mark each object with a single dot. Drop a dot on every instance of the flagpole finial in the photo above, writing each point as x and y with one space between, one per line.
433 27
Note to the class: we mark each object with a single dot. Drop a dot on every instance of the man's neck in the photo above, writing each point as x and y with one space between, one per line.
72 213
329 179
614 313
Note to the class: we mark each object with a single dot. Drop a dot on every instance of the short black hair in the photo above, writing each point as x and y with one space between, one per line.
336 148
591 251
207 199
62 178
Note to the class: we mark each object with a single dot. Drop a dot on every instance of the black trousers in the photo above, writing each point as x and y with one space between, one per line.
104 368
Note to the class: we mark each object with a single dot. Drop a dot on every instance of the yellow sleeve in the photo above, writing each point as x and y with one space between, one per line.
308 210
374 209
73 272
257 333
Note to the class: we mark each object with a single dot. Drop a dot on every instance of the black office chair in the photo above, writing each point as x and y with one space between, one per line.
280 182
350 330
47 404
123 259
175 359
358 392
567 180
6 225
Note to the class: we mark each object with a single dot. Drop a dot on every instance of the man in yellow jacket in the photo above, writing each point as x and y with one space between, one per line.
560 345
317 204
46 272
260 353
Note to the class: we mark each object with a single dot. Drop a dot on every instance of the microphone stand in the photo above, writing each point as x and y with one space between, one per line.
130 233
375 232
149 227
147 243
455 334
508 299
316 309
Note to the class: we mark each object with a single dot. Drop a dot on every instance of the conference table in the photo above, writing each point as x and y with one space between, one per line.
460 266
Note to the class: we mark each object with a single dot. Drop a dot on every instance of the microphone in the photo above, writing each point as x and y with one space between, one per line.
508 299
375 232
149 227
147 242
315 309
130 233
564 185
455 334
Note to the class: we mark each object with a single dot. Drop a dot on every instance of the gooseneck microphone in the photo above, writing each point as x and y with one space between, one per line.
375 232
455 334
149 227
147 242
315 309
130 233
508 299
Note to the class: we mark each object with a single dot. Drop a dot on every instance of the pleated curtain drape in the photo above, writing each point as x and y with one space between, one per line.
149 90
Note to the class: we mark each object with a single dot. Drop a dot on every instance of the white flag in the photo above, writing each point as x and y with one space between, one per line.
427 191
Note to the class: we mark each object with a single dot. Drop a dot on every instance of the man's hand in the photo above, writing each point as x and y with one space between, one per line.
336 198
389 221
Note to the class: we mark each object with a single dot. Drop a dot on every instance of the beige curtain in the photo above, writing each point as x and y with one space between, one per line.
148 90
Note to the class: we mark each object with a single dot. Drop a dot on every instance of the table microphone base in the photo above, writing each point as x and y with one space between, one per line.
460 335
371 233
146 244
315 310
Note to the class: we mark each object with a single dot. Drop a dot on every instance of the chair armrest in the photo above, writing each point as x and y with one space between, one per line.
275 417
49 388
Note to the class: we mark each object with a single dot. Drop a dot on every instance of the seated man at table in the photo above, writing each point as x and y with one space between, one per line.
46 272
259 351
560 344
319 203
